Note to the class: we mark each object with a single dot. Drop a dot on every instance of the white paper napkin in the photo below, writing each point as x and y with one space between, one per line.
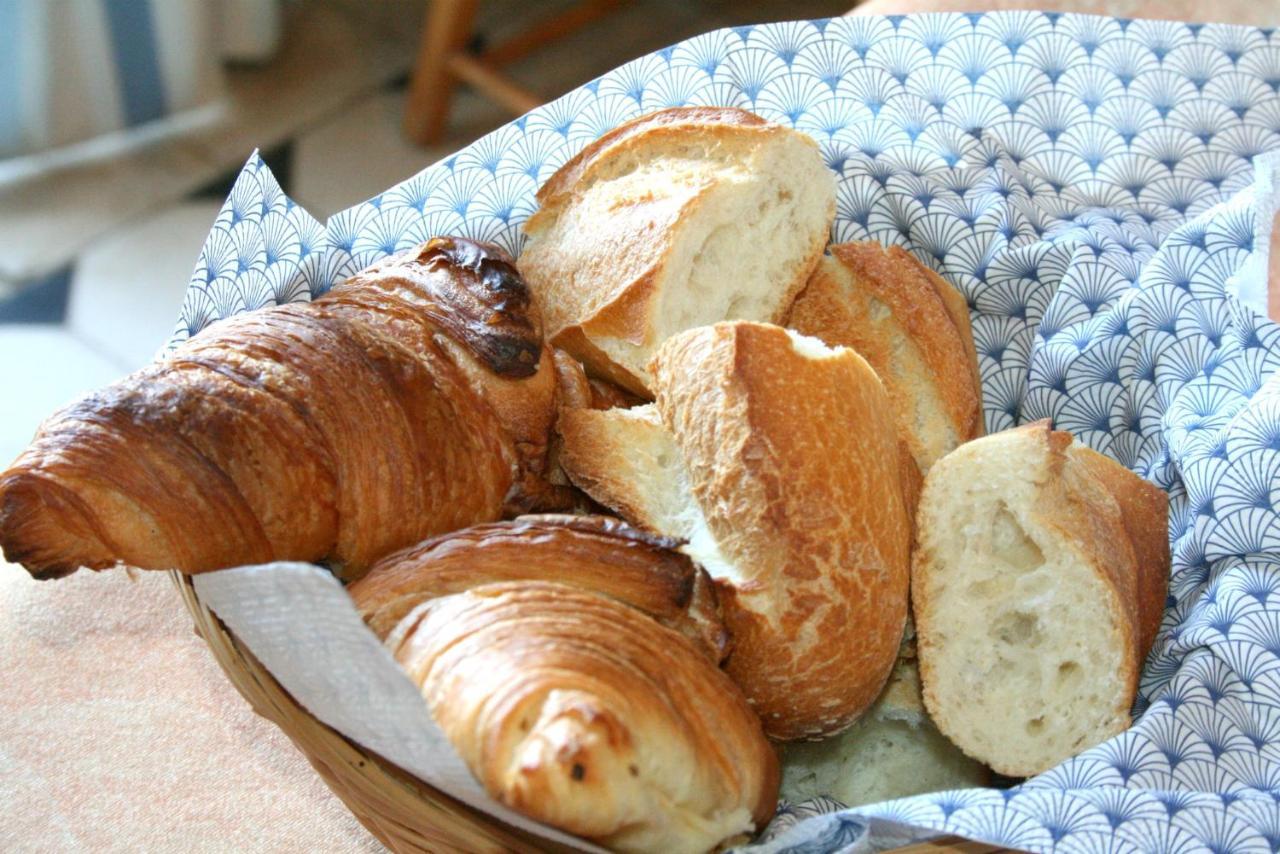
300 623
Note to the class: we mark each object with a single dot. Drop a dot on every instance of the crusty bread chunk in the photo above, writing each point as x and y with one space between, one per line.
892 751
677 219
776 459
1038 586
913 329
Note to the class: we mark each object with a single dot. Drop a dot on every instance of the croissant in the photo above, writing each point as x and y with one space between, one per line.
413 399
607 555
587 699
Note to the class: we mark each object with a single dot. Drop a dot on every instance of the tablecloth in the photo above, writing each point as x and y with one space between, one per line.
118 732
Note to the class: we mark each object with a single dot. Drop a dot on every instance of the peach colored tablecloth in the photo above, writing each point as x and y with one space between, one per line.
118 731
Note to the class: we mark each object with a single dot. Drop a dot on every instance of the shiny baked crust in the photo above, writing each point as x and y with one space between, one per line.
795 463
594 553
778 460
912 327
413 399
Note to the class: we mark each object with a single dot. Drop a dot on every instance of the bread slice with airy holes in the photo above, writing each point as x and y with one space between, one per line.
912 327
776 459
892 751
1038 585
677 219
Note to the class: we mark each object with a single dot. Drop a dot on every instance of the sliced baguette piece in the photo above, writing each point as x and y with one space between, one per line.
628 461
676 219
912 327
776 459
892 751
1038 585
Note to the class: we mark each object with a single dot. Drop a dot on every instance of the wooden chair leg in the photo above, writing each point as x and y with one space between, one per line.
448 26
574 18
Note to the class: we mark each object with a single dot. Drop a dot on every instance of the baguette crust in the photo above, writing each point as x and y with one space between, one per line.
1100 532
1144 516
576 174
605 293
912 327
793 459
784 470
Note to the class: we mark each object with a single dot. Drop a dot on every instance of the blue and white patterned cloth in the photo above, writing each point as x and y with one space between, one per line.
1095 188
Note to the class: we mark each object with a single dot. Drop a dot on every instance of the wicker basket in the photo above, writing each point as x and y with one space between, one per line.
404 813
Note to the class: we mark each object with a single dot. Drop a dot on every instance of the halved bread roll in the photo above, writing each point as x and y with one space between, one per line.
913 329
776 459
892 751
1038 586
677 219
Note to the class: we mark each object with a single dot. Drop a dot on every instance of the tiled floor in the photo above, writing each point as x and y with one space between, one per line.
126 310
125 234
44 366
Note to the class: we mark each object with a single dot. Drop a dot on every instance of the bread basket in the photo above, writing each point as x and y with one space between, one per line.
910 132
405 814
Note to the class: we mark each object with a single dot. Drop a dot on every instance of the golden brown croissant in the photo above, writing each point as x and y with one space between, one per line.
565 697
413 399
607 556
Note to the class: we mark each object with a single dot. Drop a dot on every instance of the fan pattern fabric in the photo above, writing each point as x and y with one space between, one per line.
1099 190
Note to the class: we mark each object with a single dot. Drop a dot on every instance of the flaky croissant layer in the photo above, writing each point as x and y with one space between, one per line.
586 698
413 399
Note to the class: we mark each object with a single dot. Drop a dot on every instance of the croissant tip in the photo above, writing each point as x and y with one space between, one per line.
23 514
49 573
28 560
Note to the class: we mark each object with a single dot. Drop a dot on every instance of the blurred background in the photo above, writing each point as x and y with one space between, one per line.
123 122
